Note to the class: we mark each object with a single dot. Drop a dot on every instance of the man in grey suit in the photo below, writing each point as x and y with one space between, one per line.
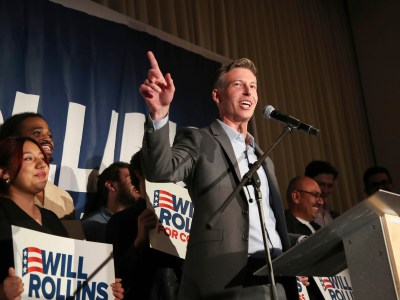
220 261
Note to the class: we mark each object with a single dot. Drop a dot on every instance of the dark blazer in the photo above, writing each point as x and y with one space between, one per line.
295 226
334 214
204 159
138 269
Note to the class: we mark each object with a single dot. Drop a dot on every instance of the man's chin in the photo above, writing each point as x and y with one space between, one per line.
49 157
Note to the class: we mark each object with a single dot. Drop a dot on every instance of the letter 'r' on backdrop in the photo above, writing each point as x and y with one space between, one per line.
82 72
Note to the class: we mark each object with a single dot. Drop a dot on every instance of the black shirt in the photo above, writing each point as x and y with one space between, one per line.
138 269
12 214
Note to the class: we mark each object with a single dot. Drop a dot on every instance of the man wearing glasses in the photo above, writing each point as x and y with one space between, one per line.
325 175
304 199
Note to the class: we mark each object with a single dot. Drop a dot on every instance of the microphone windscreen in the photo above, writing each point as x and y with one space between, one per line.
268 111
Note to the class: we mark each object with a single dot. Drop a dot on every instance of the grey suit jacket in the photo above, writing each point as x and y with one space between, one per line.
204 159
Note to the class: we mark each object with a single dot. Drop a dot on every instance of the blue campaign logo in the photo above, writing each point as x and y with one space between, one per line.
59 276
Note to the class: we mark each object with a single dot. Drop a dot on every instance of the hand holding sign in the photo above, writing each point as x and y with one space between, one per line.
12 285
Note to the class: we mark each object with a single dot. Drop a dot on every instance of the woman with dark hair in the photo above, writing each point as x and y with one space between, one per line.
23 173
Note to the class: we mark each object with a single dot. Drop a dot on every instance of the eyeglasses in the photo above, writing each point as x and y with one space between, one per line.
314 194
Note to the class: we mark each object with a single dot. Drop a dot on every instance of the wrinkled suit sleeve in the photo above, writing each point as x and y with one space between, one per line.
163 163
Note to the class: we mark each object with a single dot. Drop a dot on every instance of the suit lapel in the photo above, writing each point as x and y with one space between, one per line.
226 145
222 138
315 225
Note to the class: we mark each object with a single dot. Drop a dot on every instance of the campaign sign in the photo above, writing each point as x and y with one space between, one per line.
174 210
302 290
53 267
337 287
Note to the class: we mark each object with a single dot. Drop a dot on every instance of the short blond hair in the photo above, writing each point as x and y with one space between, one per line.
239 63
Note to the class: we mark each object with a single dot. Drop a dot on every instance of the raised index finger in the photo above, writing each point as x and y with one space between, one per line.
152 60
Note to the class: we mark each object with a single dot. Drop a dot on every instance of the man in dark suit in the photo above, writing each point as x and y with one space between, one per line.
220 259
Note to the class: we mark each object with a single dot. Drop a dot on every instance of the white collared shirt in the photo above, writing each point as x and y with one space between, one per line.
241 149
306 223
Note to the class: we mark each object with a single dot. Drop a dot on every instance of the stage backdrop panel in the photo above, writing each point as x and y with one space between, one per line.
82 73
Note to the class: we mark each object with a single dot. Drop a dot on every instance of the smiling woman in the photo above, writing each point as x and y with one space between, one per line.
23 173
23 167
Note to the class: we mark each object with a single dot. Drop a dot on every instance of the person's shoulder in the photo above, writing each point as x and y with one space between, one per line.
125 213
202 130
197 135
93 217
288 214
5 223
3 201
3 204
130 211
188 130
6 204
334 214
129 214
52 189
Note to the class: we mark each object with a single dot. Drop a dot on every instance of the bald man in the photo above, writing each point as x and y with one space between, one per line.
304 199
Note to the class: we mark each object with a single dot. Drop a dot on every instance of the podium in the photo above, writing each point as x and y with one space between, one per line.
365 239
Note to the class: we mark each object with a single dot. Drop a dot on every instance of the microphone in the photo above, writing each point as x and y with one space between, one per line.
270 112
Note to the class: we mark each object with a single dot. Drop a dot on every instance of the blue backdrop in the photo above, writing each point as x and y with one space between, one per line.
79 71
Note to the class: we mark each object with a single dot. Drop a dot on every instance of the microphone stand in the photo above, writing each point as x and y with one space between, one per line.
252 177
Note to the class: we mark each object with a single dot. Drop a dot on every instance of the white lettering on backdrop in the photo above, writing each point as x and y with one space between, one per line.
73 178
